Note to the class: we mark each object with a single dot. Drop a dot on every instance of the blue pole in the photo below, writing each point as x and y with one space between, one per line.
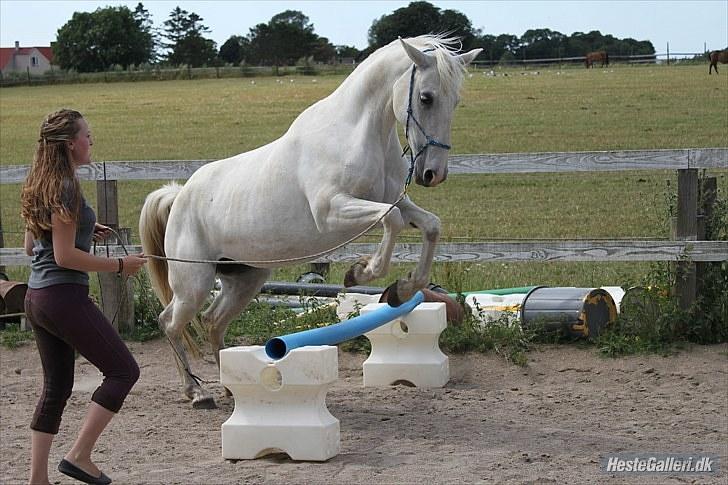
278 347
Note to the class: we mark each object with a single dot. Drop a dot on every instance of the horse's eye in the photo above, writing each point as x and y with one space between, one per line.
426 98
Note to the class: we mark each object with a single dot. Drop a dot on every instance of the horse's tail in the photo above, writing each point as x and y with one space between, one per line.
152 226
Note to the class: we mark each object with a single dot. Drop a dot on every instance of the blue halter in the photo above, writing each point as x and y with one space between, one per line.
430 140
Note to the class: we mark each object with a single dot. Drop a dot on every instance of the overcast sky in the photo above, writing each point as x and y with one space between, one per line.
688 26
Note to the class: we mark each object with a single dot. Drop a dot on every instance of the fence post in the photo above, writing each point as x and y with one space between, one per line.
668 53
686 230
117 297
708 194
107 203
2 245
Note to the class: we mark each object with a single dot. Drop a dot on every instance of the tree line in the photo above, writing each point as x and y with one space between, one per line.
119 36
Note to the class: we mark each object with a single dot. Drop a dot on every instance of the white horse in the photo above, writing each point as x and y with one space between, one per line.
337 171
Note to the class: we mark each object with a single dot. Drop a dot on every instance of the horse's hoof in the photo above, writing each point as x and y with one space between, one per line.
349 278
392 296
354 275
204 403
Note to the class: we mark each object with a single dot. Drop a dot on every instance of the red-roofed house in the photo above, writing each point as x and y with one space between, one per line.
21 59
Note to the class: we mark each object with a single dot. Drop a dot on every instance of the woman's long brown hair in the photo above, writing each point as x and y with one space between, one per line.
51 185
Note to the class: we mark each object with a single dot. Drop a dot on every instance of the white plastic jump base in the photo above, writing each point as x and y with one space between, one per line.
280 405
407 349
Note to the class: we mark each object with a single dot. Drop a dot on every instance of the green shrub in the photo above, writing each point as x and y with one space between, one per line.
146 310
12 337
658 324
261 321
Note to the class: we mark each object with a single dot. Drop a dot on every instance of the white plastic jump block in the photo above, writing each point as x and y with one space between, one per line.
280 405
407 349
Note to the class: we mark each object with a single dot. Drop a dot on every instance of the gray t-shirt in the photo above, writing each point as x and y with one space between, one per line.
45 272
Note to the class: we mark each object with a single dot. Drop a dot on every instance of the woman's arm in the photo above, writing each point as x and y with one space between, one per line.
28 243
68 256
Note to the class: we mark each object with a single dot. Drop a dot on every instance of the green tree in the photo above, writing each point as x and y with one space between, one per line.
347 51
459 25
323 51
186 44
420 18
95 41
233 50
502 47
286 38
580 43
144 21
549 44
541 44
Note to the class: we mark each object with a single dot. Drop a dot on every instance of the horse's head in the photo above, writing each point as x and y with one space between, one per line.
424 99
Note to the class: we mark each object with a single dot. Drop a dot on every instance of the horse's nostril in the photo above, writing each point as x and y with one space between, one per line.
428 176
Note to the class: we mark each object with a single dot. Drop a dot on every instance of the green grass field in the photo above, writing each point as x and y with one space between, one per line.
624 107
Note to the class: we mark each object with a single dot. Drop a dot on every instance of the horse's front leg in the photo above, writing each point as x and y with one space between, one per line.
429 225
346 212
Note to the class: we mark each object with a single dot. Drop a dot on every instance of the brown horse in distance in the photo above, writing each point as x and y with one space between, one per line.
597 56
716 57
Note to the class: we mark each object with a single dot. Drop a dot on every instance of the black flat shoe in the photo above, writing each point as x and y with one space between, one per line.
68 468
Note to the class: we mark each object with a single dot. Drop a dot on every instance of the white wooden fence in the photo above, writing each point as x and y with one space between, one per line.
685 161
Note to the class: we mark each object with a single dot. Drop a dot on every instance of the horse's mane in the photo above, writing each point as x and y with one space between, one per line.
444 49
450 68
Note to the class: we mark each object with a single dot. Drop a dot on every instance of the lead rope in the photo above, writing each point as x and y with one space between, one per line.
286 260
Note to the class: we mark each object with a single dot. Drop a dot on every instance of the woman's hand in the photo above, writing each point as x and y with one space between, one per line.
132 264
67 255
101 232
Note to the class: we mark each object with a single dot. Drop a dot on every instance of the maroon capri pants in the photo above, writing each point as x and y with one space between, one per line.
64 319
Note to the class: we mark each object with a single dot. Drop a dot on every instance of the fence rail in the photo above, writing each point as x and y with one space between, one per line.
158 74
539 250
597 161
533 251
622 58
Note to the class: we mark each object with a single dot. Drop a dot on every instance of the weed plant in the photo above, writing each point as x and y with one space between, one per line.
262 321
146 310
654 322
12 337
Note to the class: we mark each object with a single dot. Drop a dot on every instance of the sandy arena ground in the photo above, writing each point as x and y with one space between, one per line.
494 422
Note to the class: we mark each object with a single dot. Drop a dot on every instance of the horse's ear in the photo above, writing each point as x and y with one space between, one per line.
420 59
468 57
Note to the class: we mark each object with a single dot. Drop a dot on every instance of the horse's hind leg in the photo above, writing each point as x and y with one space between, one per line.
191 288
240 284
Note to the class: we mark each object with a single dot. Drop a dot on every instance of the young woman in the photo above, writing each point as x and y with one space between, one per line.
60 228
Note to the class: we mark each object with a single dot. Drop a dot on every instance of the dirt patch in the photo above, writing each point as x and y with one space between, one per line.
549 422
